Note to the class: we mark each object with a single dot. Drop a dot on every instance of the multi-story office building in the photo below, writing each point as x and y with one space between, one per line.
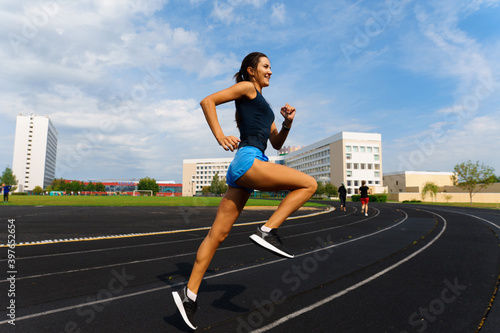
35 152
348 157
345 157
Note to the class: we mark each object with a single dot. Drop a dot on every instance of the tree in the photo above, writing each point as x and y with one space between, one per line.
320 190
148 184
472 177
59 184
90 187
218 186
99 187
75 186
37 190
8 178
205 190
430 188
331 190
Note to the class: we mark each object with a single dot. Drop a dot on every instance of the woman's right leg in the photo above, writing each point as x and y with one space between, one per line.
267 176
229 209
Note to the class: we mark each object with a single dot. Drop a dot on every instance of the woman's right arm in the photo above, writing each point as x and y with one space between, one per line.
209 103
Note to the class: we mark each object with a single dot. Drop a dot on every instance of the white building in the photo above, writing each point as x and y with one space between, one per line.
35 151
348 157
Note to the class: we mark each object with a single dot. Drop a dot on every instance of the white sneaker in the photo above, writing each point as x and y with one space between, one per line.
366 214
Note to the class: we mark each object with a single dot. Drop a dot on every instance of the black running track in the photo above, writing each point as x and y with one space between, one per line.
404 268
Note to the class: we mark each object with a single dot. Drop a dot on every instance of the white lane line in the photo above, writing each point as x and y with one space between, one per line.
143 260
67 308
353 287
193 253
474 216
67 240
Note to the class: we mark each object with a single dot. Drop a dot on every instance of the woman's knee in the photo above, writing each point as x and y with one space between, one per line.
311 184
217 237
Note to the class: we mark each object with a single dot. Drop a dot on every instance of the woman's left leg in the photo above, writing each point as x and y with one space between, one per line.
229 209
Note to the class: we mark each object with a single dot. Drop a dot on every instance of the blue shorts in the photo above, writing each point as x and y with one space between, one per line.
242 162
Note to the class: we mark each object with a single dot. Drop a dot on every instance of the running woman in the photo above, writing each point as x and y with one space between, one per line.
249 170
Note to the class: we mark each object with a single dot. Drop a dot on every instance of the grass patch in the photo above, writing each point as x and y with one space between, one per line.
41 200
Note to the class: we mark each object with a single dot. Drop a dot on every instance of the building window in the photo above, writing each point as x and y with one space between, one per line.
376 157
368 149
377 174
348 156
355 166
356 183
347 149
349 182
361 149
370 166
363 166
349 173
377 166
355 149
397 182
348 166
376 150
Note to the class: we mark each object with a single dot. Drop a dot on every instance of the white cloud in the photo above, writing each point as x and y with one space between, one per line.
223 12
278 12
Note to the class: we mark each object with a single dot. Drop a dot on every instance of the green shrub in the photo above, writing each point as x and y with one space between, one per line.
373 197
412 201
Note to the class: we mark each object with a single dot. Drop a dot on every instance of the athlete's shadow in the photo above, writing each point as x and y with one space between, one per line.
224 302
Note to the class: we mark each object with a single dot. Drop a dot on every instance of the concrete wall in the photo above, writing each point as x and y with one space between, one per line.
447 197
408 185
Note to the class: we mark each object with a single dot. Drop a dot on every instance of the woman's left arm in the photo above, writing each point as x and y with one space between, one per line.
277 138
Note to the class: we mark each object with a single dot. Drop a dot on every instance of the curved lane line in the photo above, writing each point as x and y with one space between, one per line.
67 308
353 287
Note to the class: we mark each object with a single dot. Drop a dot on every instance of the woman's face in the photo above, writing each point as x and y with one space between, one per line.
262 74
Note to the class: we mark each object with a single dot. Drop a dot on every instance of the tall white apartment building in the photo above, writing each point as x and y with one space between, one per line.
348 157
35 152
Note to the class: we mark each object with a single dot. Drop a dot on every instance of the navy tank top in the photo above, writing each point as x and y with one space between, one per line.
255 120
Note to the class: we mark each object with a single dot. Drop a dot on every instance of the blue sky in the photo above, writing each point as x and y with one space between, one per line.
122 80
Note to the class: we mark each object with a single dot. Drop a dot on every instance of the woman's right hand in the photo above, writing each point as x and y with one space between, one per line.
229 142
